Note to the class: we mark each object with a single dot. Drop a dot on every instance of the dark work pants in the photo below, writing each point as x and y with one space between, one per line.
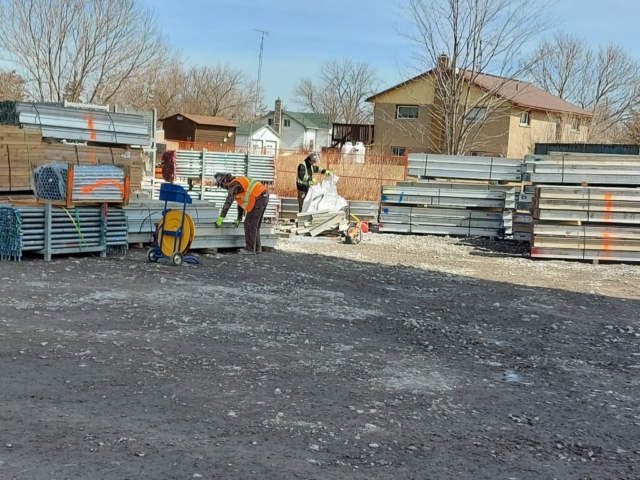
252 223
301 196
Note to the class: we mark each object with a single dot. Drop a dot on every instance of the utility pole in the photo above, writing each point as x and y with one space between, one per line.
256 107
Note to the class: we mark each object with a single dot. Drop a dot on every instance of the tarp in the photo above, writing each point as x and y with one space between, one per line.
324 196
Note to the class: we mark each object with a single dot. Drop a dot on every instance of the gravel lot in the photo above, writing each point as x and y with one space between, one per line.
399 358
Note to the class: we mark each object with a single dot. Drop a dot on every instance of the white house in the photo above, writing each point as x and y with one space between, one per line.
299 130
264 139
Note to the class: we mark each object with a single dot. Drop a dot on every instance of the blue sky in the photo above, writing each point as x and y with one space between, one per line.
304 33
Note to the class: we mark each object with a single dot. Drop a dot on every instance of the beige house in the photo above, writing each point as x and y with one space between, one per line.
406 118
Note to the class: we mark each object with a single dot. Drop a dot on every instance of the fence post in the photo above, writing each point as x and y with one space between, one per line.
203 173
406 163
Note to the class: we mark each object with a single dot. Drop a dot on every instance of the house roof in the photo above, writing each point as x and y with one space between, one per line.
308 120
206 120
522 94
246 128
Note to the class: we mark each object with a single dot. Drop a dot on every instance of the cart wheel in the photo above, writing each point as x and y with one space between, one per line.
151 255
176 258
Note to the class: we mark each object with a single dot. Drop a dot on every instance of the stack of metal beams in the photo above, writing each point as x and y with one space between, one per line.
143 217
262 168
91 183
78 124
203 165
582 206
448 208
424 165
48 230
577 169
587 223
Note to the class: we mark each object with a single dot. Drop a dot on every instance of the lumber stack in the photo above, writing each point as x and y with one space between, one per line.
22 150
323 222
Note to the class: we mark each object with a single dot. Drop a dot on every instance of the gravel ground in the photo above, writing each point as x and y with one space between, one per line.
399 358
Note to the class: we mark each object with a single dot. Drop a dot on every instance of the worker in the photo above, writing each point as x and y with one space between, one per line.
304 179
252 198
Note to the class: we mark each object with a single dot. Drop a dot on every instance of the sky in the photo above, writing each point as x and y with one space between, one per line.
304 33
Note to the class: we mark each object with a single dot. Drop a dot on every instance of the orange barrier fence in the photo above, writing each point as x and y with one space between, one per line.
358 181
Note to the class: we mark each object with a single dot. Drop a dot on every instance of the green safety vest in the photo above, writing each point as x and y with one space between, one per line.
307 176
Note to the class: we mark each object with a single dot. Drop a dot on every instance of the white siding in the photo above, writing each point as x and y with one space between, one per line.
296 136
310 139
323 138
263 136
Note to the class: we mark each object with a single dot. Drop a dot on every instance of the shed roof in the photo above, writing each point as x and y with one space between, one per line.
246 128
206 120
307 119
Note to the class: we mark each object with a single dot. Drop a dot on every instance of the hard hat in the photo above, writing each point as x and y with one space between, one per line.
314 157
223 179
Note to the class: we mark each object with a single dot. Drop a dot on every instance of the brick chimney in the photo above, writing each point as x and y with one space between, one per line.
277 117
443 62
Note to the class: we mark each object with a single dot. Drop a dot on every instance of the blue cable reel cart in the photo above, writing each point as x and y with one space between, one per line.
176 231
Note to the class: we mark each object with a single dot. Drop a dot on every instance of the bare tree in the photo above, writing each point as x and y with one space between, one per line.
472 52
79 50
219 90
341 91
604 81
162 86
12 85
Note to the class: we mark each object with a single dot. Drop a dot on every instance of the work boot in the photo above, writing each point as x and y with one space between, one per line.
244 251
258 250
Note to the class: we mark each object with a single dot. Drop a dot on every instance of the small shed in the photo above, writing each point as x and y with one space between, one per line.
199 129
264 139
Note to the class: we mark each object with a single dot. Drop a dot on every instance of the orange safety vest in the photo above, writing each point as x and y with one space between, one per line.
252 189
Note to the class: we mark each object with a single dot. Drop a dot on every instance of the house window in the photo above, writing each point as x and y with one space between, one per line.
525 119
477 115
287 122
270 122
575 125
398 151
407 112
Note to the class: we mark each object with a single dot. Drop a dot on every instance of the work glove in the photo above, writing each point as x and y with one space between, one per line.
313 181
237 223
328 172
219 222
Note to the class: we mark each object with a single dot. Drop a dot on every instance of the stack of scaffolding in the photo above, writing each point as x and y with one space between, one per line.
585 207
48 231
458 196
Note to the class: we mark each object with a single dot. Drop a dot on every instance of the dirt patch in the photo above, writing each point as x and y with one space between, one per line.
321 361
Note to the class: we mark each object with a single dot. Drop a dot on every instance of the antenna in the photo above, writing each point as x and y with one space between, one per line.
256 107
264 33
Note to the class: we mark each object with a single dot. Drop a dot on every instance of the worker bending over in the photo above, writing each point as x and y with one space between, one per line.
304 179
252 198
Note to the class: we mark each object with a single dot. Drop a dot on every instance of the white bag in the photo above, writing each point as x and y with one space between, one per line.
324 196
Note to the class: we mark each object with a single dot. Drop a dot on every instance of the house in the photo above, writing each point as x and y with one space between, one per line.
264 139
299 131
406 117
199 131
